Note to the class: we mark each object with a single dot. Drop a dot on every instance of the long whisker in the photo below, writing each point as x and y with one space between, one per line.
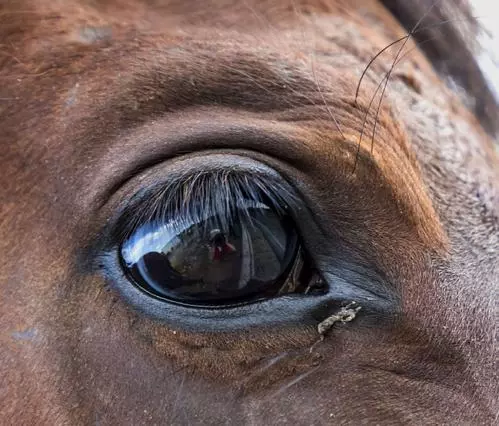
406 39
294 381
364 122
324 101
371 62
427 27
393 67
276 33
314 74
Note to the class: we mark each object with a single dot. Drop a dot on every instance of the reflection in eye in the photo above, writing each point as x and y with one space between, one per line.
221 238
208 261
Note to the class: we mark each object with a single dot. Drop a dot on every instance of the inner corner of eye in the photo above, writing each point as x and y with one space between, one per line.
217 246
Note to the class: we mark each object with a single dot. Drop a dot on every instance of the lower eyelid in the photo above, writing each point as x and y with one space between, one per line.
283 311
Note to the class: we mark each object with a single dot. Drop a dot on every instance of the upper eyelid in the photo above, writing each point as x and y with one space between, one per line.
171 136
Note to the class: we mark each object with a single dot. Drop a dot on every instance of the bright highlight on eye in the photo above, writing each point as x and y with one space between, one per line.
218 238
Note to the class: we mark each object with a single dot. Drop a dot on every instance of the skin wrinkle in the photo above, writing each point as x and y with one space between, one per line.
152 75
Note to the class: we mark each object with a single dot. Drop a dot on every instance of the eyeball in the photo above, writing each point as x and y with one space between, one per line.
213 259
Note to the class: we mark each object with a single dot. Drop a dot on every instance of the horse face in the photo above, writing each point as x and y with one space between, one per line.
109 107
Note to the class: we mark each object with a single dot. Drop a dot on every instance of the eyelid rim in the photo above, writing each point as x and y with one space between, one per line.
278 311
226 306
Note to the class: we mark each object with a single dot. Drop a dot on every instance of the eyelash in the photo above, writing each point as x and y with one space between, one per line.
221 193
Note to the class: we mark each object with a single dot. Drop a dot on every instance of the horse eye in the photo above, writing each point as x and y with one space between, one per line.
214 259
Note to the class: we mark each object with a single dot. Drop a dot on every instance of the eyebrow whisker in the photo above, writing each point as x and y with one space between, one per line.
371 61
387 78
391 70
364 122
325 102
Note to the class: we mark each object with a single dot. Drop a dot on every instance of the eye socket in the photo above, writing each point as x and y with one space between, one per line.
212 260
216 239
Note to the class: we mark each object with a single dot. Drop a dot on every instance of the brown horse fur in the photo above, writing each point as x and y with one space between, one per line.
99 99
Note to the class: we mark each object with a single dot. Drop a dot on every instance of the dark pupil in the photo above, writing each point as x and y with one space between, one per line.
210 262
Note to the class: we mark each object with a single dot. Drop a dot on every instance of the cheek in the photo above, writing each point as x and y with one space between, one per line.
105 326
33 264
110 371
120 362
